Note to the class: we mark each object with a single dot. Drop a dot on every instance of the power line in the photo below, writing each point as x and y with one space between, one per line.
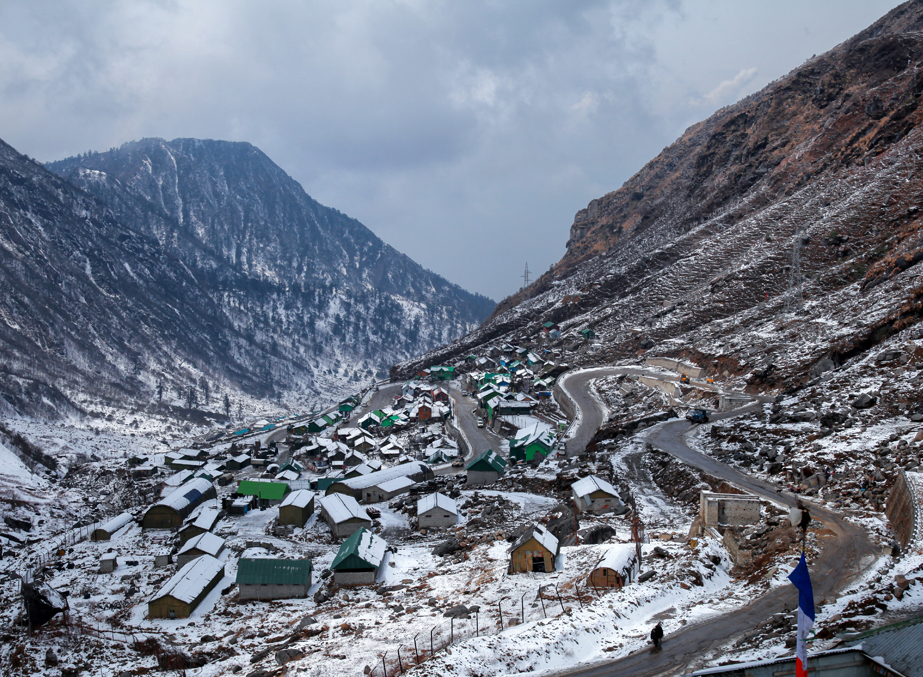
525 277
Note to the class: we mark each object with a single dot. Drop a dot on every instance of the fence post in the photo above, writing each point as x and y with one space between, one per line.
399 663
477 629
522 607
432 651
384 668
500 605
415 652
558 593
541 599
577 589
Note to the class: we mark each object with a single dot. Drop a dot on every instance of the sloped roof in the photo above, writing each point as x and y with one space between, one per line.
259 571
207 518
537 432
207 543
436 500
590 484
377 478
489 460
272 491
396 484
342 507
363 544
544 537
900 645
300 499
189 582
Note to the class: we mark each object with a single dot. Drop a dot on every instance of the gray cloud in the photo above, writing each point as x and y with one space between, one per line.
466 134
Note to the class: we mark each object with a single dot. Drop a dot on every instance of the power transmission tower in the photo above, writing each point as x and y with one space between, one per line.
525 276
794 300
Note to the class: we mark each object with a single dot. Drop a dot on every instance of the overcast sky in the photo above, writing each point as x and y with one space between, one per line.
465 133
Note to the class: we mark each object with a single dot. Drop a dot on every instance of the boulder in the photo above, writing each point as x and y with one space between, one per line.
458 611
864 401
288 655
646 576
447 547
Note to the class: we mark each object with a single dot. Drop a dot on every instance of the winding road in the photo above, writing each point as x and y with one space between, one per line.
846 551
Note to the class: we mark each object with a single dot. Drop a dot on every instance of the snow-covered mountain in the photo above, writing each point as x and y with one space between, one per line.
171 273
808 189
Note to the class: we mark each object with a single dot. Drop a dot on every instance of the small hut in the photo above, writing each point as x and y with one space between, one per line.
595 495
617 567
179 596
436 510
297 507
203 523
534 551
343 514
203 544
485 469
108 529
178 505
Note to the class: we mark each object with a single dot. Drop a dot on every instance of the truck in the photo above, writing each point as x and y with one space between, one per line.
697 416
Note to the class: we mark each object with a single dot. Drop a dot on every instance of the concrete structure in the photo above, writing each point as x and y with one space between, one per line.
536 551
617 568
204 522
436 511
677 366
669 387
108 563
179 596
485 469
265 579
359 559
178 505
297 507
105 531
203 544
904 502
356 486
728 510
728 401
344 515
595 495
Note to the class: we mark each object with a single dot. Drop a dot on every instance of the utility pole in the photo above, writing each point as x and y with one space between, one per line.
525 276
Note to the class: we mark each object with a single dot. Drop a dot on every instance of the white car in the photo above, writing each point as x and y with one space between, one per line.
480 423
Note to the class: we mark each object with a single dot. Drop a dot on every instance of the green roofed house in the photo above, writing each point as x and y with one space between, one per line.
266 578
359 559
270 492
486 468
442 373
588 334
535 439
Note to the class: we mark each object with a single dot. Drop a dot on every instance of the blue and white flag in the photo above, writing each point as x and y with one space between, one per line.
801 579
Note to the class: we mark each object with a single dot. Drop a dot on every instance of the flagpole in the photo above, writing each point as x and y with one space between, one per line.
801 579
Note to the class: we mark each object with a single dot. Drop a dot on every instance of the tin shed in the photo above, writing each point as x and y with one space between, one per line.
178 505
297 507
359 559
617 567
203 544
107 530
535 551
486 468
179 596
264 578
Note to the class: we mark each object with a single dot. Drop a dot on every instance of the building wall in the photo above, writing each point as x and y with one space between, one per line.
436 517
161 517
290 514
161 607
479 477
901 510
100 535
263 592
728 509
676 365
521 557
348 578
596 502
604 577
349 527
186 557
189 532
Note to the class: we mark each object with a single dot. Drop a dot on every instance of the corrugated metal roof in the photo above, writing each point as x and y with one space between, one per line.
363 544
899 646
591 483
489 460
274 571
300 499
273 491
192 579
434 500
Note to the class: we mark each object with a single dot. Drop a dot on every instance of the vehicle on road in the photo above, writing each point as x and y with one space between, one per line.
480 423
697 416
684 379
458 464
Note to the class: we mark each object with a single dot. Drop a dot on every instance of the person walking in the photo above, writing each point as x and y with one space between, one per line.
657 635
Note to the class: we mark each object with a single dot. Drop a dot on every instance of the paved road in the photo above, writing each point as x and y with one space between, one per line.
846 552
479 439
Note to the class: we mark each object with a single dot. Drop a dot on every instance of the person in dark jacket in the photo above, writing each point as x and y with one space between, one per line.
657 635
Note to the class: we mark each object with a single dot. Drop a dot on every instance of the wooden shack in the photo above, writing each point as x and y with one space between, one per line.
594 495
536 551
616 568
179 596
359 559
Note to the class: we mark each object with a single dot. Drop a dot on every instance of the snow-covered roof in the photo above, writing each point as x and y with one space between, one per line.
590 484
342 507
396 484
178 478
427 503
544 537
207 518
186 494
539 431
363 544
116 523
288 476
618 557
300 499
189 582
207 543
376 479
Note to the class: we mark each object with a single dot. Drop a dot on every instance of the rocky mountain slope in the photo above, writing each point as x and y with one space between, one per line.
174 273
783 230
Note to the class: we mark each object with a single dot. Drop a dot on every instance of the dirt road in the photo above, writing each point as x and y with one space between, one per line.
845 554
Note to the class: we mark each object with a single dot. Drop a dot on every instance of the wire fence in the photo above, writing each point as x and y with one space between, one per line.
49 552
544 601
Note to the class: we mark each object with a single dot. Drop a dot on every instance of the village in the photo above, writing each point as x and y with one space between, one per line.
402 524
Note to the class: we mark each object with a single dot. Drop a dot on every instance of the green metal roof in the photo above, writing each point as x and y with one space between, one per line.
489 460
274 571
273 491
360 551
